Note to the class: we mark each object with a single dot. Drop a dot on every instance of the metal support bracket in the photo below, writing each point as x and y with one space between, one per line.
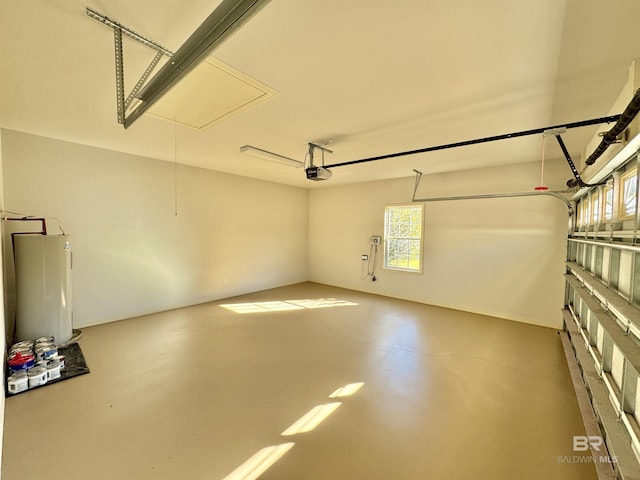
417 184
572 166
143 79
123 104
322 148
117 43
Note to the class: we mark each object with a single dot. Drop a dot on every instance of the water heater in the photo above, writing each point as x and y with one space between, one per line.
43 286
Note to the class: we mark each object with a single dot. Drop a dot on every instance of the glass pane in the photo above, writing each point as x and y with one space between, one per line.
585 213
579 214
629 195
416 215
403 233
608 203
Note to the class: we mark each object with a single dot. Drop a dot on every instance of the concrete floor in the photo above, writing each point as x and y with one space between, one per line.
195 393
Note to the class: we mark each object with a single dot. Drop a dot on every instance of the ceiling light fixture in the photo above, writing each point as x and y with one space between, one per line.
223 22
260 153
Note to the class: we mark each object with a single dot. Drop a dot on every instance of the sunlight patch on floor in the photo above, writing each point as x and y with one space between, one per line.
280 306
347 390
260 462
312 419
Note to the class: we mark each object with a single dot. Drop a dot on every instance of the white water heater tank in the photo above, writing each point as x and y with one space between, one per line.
43 287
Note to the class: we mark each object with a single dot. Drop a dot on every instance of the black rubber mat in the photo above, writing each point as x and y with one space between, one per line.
74 365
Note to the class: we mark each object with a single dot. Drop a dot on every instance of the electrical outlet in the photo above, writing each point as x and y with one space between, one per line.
365 257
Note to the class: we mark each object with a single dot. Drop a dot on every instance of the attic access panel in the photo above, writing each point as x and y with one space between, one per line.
212 92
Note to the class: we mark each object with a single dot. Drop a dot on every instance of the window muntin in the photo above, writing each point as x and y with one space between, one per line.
403 229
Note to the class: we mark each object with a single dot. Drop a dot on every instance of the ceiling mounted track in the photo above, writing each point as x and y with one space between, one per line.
555 194
610 137
446 146
223 22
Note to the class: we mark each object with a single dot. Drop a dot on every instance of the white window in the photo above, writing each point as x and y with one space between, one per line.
608 203
628 194
403 227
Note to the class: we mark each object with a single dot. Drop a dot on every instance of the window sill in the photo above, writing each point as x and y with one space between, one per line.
404 270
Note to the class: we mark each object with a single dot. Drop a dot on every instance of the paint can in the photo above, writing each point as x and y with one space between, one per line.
21 350
37 376
59 358
45 353
24 344
45 339
53 370
21 362
18 382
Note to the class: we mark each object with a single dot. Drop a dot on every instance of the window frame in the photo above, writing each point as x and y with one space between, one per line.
605 190
622 214
386 239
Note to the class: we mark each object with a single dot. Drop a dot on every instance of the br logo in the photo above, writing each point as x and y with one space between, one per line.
581 443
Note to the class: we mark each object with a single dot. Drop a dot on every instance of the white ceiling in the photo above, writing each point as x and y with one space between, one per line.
371 76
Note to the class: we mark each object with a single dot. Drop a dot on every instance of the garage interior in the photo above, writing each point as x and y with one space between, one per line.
245 317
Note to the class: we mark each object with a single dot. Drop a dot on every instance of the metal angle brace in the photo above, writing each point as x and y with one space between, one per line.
572 166
117 41
123 103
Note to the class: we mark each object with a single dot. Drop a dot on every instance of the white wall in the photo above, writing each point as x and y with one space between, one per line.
131 254
233 235
500 257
